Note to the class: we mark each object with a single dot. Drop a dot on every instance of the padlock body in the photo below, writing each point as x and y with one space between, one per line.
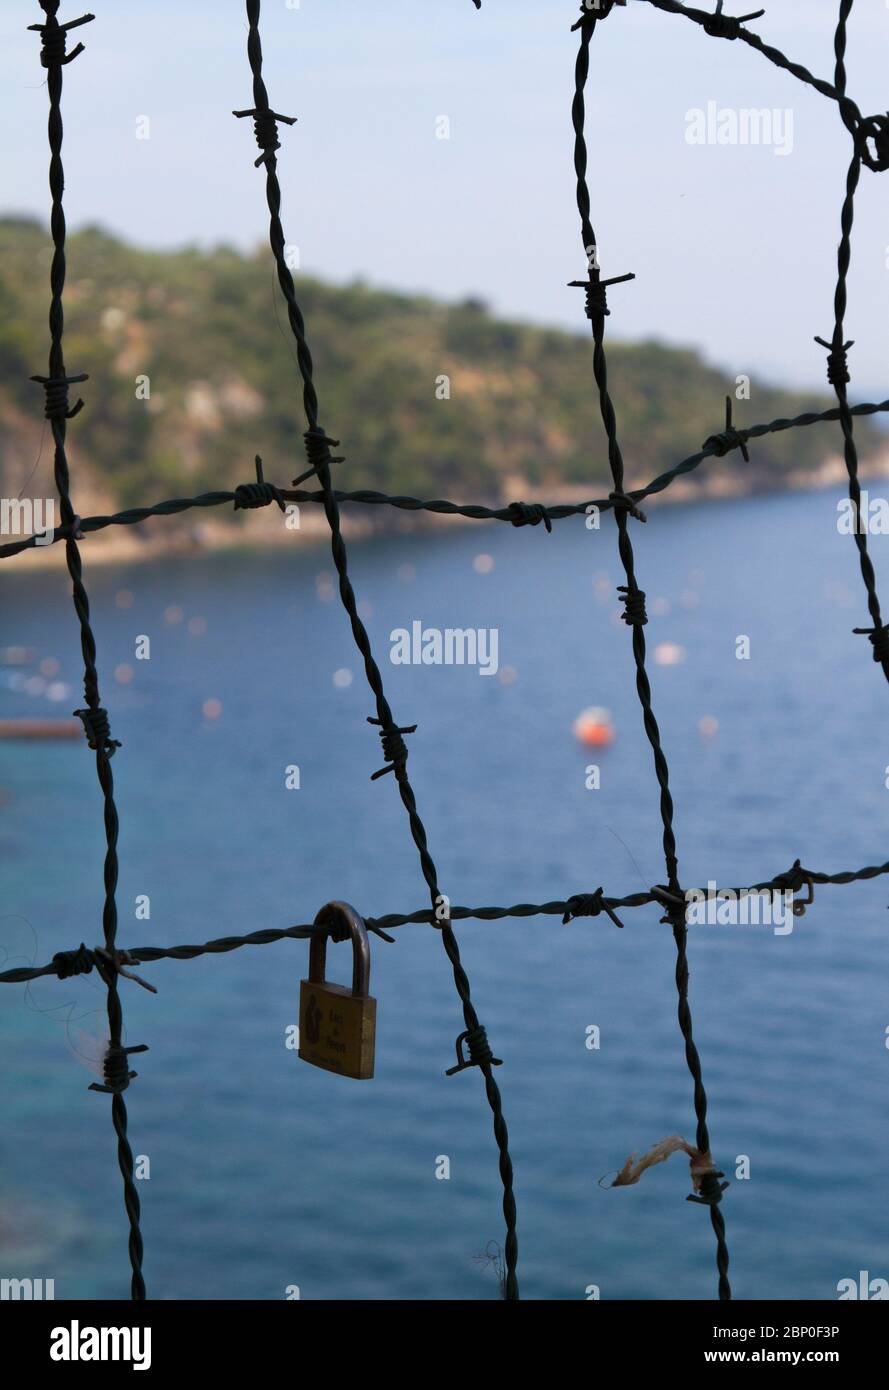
337 1029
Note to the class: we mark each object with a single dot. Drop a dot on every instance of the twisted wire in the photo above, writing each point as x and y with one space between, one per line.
473 511
774 55
634 600
320 460
54 56
838 373
81 960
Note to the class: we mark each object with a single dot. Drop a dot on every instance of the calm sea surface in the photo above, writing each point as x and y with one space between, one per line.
265 1172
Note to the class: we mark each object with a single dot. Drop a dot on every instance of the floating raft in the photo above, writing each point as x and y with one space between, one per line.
40 728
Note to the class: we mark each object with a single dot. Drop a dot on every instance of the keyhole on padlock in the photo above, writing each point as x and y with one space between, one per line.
313 1021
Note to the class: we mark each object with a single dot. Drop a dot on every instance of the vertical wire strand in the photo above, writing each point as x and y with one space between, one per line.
54 59
362 641
840 377
709 1184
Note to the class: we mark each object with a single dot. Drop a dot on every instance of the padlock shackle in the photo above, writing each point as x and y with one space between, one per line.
341 920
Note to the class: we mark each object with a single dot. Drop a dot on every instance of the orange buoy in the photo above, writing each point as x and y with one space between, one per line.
593 727
40 728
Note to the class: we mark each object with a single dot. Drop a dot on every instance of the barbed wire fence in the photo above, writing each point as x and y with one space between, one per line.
870 148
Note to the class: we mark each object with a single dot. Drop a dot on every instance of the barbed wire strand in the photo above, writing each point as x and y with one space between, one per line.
733 29
838 372
792 880
636 618
54 58
473 511
394 749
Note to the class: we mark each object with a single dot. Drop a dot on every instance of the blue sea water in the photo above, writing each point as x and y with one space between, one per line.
266 1173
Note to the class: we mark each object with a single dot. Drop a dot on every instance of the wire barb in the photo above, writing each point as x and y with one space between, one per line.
529 514
794 880
258 494
318 447
729 439
837 366
372 926
591 10
69 963
634 614
596 297
480 1053
54 36
265 129
725 26
116 1069
879 639
56 406
394 746
876 129
589 905
98 730
710 1189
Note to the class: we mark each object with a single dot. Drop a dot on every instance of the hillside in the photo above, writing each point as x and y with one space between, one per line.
208 329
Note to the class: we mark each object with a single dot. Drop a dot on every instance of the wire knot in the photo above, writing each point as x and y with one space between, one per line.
68 963
56 406
116 1069
710 1189
112 963
674 904
634 614
54 37
529 514
726 26
596 297
318 447
98 730
265 128
621 500
591 10
729 439
874 128
879 639
258 494
837 367
723 443
480 1053
338 930
394 746
588 905
795 879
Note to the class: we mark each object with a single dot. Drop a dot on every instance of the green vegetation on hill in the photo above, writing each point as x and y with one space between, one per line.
209 330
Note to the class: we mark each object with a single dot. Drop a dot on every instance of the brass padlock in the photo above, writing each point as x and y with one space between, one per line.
337 1025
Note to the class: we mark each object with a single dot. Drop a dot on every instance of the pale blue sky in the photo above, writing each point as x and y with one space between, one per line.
734 247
